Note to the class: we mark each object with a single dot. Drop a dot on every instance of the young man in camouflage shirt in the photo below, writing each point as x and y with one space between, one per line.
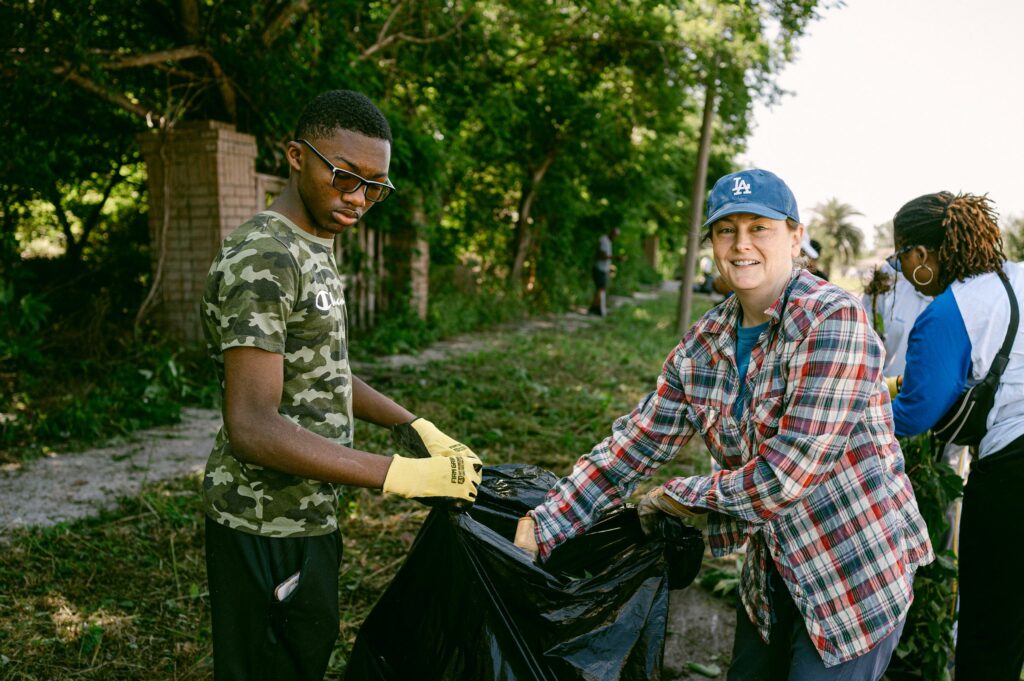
274 318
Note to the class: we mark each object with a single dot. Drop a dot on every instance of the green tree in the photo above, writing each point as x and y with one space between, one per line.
840 238
1013 237
884 237
523 130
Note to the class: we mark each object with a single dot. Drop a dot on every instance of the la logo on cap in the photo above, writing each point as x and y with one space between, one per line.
740 186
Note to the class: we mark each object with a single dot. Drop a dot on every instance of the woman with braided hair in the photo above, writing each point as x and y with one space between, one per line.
949 246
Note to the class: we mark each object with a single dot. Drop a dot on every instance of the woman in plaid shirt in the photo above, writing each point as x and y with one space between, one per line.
783 382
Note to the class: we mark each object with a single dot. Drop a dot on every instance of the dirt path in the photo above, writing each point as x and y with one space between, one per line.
67 487
700 629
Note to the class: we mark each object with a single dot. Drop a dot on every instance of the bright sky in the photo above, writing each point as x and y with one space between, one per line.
892 99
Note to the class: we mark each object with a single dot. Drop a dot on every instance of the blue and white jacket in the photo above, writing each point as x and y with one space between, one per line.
951 347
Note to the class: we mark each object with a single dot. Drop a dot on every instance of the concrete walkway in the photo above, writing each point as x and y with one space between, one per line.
66 487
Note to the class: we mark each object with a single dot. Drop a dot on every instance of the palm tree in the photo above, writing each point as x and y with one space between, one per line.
883 237
832 225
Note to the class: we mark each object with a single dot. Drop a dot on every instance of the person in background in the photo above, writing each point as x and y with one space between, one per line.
707 270
783 381
273 313
602 271
896 309
715 287
811 249
950 247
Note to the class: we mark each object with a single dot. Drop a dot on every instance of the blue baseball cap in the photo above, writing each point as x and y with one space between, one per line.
753 191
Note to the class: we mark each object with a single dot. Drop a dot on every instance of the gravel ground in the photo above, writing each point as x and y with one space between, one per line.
67 487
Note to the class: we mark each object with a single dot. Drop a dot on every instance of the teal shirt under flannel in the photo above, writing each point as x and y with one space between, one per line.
277 288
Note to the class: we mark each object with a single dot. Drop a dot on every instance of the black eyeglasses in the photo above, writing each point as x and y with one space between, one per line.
346 182
894 260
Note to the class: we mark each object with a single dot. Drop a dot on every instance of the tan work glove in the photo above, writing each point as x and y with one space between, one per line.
526 536
894 383
658 501
455 477
421 436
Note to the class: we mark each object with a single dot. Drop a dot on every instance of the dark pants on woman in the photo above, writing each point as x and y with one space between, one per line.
990 633
256 636
790 655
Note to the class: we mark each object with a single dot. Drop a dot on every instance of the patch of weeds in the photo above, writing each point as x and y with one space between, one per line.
121 596
124 596
61 405
721 576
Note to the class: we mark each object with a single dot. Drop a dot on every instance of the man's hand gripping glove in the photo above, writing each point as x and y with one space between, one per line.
658 501
422 438
452 477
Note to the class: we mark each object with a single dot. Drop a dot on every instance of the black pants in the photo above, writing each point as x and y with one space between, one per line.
791 656
990 635
255 636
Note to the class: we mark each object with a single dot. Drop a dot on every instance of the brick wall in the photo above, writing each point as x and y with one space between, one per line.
204 174
211 188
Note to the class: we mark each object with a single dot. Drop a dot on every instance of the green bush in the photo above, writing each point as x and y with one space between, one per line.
21 318
456 306
62 404
927 642
73 368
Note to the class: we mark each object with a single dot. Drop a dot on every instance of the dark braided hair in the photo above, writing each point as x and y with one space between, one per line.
961 229
342 110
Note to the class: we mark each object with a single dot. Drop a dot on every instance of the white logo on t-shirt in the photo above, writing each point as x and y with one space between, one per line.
325 300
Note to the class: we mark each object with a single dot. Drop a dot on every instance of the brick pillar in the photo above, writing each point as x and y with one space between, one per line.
208 172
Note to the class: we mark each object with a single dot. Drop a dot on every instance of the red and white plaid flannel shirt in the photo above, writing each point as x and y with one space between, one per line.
811 477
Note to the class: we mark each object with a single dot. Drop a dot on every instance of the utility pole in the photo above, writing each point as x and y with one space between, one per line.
700 178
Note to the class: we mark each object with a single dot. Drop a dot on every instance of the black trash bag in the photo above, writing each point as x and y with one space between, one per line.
468 605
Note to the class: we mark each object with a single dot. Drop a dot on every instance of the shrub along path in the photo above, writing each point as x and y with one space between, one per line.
120 593
69 486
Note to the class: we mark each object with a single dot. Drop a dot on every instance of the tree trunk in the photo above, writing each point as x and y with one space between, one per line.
524 232
96 214
190 19
8 236
71 252
696 209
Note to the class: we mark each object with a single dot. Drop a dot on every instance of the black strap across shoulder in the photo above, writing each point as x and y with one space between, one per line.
1003 356
966 422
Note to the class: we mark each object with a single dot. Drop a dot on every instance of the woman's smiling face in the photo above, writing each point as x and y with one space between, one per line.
755 256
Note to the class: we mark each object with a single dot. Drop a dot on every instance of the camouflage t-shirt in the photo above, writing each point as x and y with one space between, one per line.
277 288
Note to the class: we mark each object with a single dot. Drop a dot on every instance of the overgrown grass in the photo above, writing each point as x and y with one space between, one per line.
59 404
63 388
457 306
124 596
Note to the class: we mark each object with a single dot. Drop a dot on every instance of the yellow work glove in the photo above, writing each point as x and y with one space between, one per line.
894 383
658 501
454 477
423 438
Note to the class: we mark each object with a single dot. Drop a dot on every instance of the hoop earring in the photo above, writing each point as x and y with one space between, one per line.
913 275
